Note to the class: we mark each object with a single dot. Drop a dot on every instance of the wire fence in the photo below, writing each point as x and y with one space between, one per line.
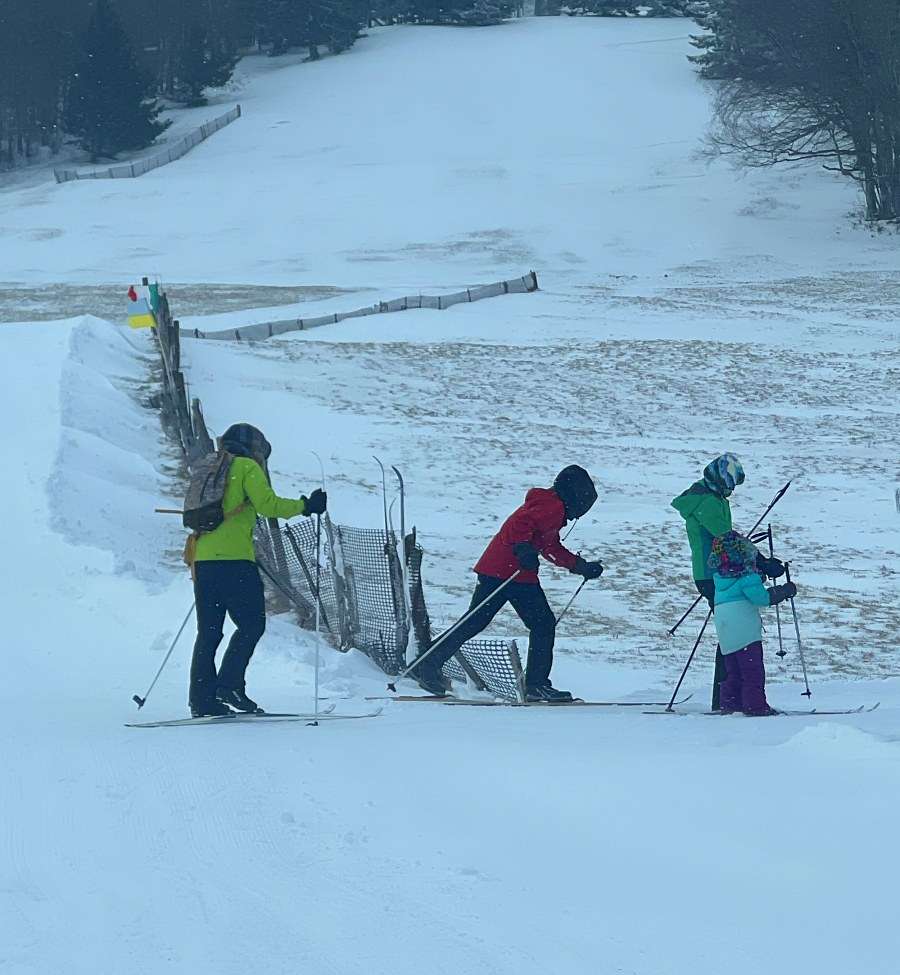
260 331
179 148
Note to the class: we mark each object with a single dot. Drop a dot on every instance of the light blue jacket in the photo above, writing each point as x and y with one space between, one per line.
738 622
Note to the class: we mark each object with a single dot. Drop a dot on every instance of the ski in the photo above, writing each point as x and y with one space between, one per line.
406 697
804 713
577 702
325 715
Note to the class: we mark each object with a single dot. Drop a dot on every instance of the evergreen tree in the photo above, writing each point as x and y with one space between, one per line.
281 24
110 105
458 12
340 22
627 8
482 13
204 63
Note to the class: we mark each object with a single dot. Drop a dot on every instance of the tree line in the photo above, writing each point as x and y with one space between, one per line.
97 69
809 79
462 13
612 8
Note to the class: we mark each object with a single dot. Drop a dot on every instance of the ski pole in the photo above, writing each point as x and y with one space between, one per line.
772 504
310 581
690 610
807 692
141 701
690 660
762 518
318 584
572 600
318 604
451 630
781 653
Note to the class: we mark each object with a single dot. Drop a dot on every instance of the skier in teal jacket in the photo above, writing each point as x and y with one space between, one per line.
739 594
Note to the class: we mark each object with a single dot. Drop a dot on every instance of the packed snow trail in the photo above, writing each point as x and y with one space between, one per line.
446 834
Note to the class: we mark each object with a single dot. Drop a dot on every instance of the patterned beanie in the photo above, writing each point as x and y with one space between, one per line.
723 475
732 555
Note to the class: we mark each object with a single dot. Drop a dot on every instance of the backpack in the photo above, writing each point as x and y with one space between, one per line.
203 510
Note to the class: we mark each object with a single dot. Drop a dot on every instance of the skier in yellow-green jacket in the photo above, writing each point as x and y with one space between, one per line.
226 578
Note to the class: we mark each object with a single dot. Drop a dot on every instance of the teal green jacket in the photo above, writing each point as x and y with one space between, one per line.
738 622
706 515
248 493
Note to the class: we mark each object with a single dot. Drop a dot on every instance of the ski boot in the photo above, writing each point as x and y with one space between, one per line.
238 700
546 693
430 678
215 709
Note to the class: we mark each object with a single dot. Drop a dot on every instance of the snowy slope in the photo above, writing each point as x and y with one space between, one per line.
467 840
430 156
458 840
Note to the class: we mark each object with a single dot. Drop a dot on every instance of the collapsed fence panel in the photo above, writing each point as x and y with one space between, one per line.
497 664
362 605
361 588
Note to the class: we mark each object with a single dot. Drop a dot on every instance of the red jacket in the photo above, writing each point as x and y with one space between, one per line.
537 522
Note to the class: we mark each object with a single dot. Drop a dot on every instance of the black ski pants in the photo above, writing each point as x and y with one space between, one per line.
533 610
233 588
707 589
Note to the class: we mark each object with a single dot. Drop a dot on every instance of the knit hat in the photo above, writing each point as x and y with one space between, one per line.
732 555
244 440
723 475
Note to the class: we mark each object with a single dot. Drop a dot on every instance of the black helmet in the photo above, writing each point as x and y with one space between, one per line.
244 440
576 490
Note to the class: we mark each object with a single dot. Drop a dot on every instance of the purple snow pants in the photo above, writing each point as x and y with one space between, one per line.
744 687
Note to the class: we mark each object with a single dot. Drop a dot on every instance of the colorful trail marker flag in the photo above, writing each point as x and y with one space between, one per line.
142 304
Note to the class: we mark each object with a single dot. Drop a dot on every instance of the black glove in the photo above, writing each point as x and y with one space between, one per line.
707 589
773 568
590 570
316 503
778 594
527 556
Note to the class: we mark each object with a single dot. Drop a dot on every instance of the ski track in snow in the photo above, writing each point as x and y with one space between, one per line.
684 311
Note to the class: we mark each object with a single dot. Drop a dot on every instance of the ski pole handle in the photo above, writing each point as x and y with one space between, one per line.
168 511
449 632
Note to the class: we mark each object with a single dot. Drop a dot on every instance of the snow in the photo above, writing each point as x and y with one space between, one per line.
685 310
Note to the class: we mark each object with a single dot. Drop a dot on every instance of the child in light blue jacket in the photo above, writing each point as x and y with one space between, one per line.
738 595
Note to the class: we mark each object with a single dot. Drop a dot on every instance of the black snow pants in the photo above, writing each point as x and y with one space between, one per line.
533 610
233 588
707 589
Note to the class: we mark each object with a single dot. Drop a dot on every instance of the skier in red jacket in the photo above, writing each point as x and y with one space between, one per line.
531 530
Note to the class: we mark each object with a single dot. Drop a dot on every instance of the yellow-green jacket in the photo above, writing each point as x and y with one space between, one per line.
233 539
